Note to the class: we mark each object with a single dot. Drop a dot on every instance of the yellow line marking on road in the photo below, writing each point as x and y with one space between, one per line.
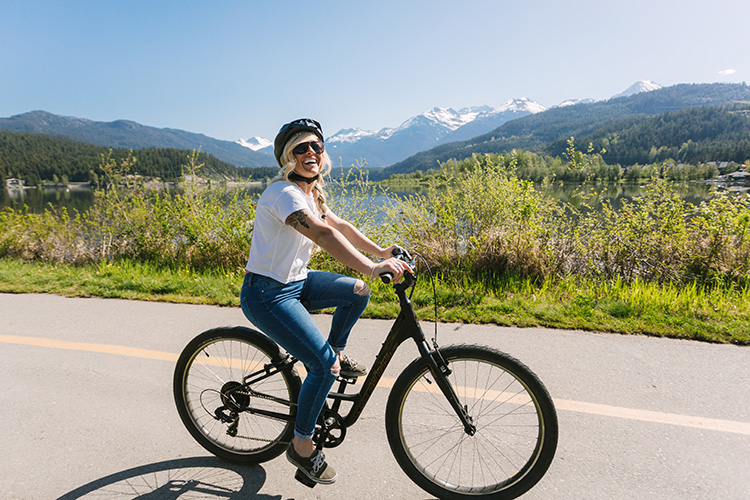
132 352
712 424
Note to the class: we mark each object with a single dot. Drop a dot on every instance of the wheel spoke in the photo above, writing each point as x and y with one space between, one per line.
209 378
506 454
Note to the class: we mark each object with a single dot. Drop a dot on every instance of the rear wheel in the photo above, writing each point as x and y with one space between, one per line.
515 419
213 400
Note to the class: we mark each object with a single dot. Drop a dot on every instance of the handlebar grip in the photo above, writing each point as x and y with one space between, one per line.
397 252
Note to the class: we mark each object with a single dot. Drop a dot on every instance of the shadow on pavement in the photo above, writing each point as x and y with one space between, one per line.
195 478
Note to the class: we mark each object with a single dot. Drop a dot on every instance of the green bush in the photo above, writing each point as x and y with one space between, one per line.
646 238
483 221
199 228
476 222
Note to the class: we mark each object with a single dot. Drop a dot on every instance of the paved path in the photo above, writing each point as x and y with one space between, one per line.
87 410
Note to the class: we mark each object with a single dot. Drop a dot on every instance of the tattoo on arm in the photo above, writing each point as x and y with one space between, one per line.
297 219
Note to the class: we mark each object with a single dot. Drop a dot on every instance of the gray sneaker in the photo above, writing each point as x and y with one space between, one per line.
315 468
350 367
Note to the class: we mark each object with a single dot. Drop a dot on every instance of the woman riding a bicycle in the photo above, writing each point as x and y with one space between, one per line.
279 292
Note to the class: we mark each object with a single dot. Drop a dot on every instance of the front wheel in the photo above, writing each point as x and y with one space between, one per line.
232 415
514 416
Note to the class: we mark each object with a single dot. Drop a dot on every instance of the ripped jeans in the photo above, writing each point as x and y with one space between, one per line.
282 312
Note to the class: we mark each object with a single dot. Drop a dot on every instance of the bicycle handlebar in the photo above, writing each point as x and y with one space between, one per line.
402 255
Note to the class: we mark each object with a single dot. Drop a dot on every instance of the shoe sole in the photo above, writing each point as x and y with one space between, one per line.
307 474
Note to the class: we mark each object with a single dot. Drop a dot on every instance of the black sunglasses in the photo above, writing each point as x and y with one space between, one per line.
301 148
303 122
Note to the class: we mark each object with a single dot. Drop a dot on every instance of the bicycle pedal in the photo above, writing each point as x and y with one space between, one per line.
299 476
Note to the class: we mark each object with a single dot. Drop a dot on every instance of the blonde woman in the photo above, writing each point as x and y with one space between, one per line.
279 291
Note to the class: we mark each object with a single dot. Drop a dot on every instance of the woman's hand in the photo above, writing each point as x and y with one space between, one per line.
387 253
393 265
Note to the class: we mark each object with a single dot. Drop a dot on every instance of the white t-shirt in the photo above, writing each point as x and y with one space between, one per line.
277 250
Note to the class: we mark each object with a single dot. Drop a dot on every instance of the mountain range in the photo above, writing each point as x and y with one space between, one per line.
433 127
436 126
548 132
132 135
420 142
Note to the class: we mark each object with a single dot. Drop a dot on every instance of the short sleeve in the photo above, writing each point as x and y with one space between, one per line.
290 200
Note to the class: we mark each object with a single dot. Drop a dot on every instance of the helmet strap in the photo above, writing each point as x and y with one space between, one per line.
294 176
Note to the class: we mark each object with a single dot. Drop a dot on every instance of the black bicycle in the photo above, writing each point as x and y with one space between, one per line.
463 422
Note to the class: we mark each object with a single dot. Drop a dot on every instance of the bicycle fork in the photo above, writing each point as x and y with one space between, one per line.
440 371
407 326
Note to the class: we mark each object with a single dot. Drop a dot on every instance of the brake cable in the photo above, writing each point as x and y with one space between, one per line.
434 295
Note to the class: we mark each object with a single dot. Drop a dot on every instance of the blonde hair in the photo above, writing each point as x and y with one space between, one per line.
289 162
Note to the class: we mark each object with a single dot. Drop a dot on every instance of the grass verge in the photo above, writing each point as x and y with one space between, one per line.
715 315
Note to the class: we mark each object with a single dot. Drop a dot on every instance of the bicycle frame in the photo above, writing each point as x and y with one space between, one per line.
405 327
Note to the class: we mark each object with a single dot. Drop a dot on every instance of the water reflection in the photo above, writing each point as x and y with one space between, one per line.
38 199
594 195
81 198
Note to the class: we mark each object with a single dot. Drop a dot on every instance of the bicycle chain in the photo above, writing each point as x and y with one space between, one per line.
250 438
259 396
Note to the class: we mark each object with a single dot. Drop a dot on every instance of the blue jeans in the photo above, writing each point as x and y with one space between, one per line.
282 312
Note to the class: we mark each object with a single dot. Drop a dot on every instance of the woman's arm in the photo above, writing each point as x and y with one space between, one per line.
330 239
356 238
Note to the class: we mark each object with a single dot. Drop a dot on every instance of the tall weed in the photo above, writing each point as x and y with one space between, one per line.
483 221
199 228
647 238
477 221
721 248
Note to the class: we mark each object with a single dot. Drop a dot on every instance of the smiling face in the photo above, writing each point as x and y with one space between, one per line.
308 163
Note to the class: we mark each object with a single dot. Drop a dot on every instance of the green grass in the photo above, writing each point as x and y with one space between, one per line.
692 312
121 279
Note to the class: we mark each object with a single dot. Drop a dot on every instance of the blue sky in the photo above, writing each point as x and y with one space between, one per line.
236 69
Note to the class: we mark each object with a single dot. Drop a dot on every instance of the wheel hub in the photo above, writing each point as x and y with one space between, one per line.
233 397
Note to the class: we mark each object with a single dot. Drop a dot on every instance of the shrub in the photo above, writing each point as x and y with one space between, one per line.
199 228
484 221
476 220
646 238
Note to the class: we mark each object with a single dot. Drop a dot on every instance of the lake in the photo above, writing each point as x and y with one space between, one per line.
80 198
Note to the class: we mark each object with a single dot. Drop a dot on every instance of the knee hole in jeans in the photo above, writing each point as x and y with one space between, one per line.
361 288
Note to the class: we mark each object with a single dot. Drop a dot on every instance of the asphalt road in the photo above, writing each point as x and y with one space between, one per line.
87 410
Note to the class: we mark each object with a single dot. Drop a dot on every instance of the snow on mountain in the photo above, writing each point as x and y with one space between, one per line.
435 126
445 117
443 120
638 87
489 119
255 143
520 105
572 102
438 125
352 135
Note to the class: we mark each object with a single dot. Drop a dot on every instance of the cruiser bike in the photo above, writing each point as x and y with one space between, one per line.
463 421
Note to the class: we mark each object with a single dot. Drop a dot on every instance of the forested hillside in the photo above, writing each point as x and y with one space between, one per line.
36 158
694 135
536 132
131 135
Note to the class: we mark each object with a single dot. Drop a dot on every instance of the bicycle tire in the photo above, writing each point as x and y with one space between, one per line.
217 360
516 426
